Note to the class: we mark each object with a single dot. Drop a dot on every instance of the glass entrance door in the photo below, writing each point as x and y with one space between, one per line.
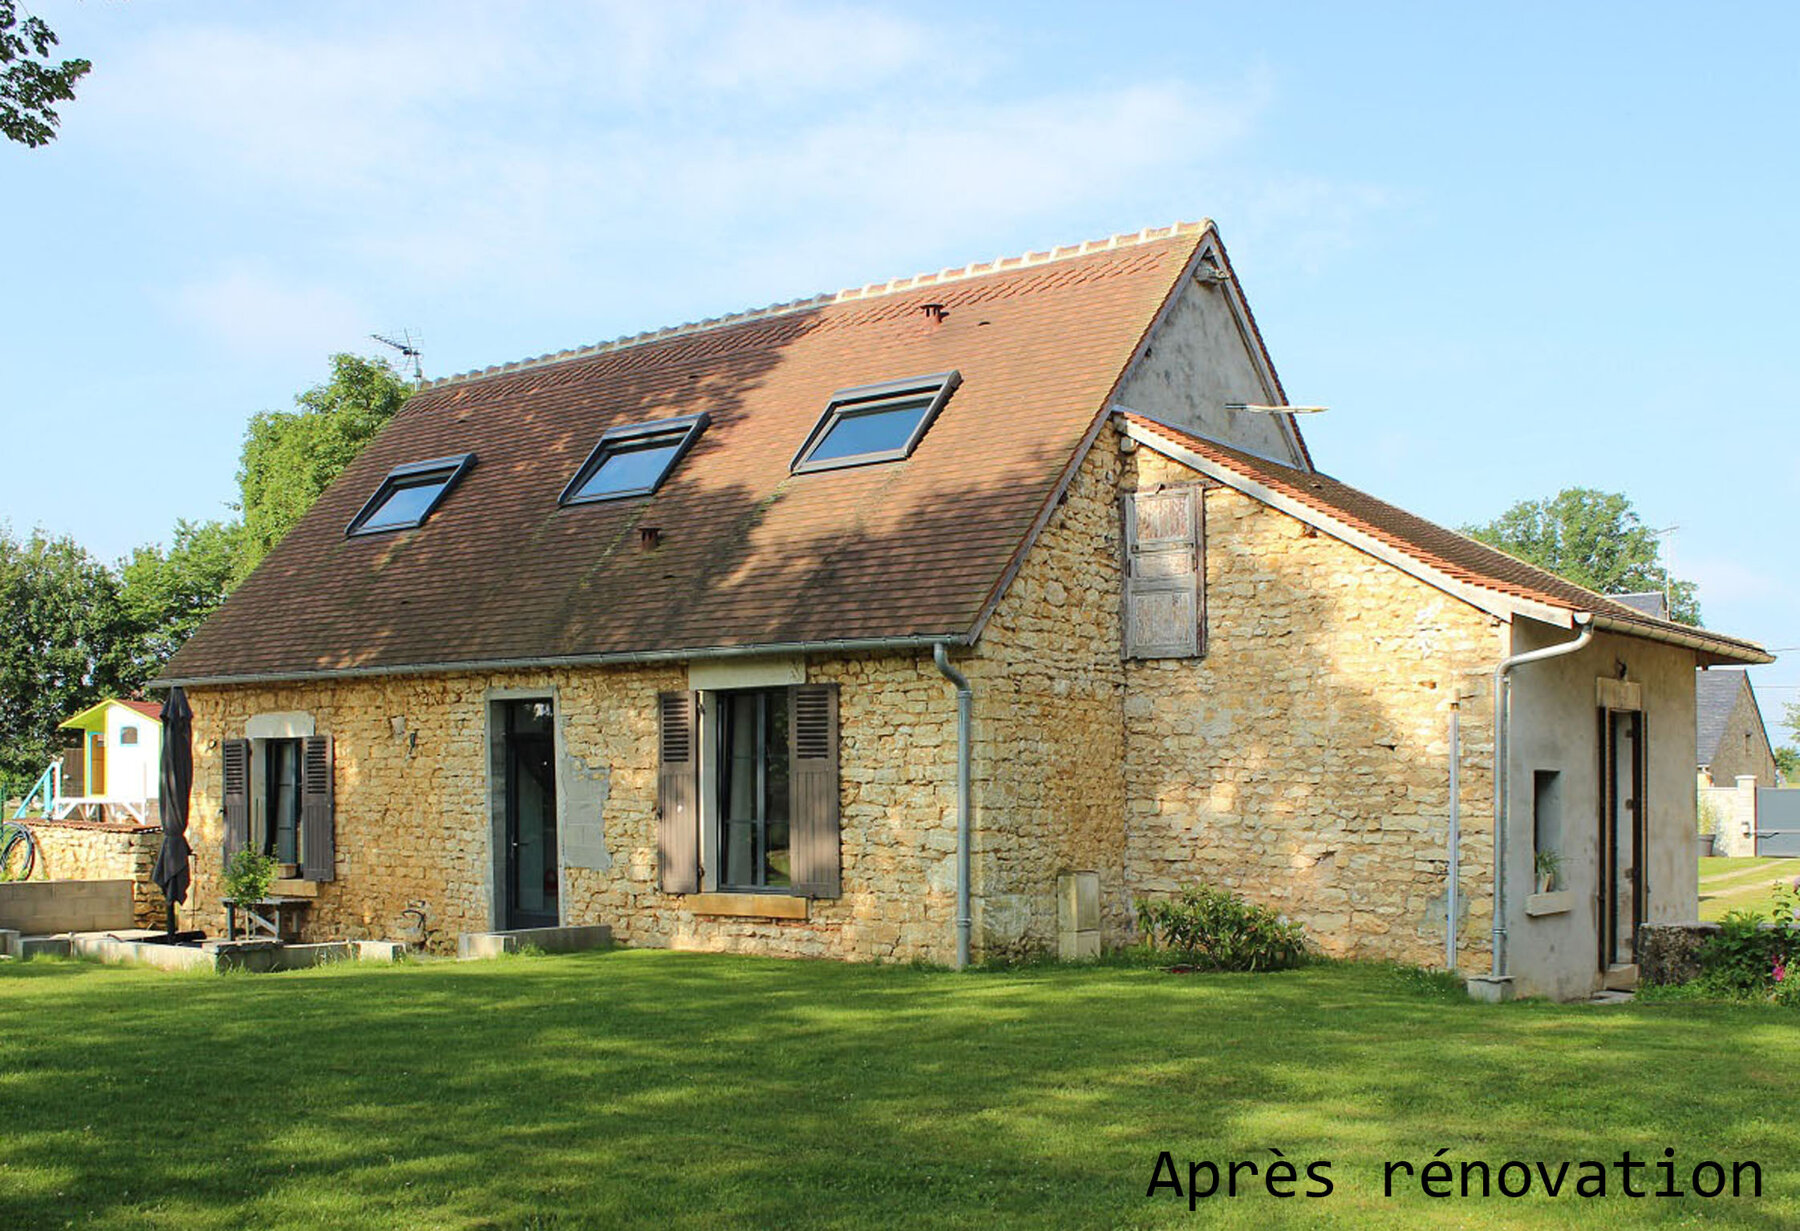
532 888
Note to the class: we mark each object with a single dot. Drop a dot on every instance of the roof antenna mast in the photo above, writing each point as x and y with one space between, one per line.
408 350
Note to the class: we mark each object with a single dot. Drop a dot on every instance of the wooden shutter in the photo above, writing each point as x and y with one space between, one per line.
236 794
813 788
318 837
678 792
1163 563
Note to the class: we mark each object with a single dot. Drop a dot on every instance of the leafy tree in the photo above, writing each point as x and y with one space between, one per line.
30 83
1594 539
61 639
164 595
1787 762
291 456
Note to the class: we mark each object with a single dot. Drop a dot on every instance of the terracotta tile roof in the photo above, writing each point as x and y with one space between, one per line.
149 709
749 555
1456 555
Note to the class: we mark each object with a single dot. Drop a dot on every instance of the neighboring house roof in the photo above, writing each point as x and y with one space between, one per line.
749 555
93 718
1650 602
1481 575
1715 698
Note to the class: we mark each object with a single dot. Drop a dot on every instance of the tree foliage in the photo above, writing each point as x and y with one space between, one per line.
1594 539
165 595
290 457
30 83
62 643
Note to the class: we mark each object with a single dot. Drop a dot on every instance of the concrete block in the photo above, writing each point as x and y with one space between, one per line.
380 950
9 943
1490 989
551 940
301 957
44 946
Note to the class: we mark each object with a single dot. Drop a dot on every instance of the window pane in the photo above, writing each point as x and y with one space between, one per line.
777 864
881 430
284 800
633 467
405 504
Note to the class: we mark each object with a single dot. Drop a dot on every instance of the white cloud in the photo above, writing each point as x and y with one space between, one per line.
569 154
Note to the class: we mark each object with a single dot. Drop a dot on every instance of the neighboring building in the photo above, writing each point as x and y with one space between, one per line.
1650 602
1730 738
644 635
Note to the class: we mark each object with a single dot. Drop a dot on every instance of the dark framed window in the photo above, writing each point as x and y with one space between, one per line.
634 460
754 800
875 423
409 494
282 799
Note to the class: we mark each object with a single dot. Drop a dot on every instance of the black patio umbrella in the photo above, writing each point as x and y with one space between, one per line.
171 871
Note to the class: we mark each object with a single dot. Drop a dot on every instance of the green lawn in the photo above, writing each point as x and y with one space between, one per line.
686 1090
1741 884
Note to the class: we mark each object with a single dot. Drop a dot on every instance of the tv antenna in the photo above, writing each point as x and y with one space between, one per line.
408 350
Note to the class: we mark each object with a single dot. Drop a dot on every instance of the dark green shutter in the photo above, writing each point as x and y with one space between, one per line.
813 783
678 792
318 840
236 794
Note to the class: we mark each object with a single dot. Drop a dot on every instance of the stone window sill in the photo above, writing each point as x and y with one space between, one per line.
747 905
1559 903
292 887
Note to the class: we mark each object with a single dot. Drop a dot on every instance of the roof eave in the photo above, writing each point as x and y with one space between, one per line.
1714 649
863 645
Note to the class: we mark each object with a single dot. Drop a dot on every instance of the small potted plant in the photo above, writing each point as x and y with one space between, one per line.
1548 866
1707 840
246 880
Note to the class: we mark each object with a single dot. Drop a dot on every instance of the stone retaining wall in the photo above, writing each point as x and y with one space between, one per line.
103 851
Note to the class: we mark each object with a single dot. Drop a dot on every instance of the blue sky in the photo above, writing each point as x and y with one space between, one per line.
1514 248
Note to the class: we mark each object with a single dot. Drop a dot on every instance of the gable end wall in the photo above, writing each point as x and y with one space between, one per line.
1304 761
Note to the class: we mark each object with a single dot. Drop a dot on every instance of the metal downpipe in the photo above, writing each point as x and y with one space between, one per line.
965 697
1502 717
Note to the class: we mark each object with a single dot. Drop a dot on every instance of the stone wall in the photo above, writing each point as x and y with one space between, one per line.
103 851
414 818
1733 809
1049 733
1304 760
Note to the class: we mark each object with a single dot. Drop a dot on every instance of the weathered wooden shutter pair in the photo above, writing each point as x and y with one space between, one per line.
812 788
318 839
1164 566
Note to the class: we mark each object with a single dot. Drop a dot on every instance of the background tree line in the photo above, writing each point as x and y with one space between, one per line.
75 629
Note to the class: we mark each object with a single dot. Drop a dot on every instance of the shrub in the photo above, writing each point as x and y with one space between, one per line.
1754 956
248 875
1216 929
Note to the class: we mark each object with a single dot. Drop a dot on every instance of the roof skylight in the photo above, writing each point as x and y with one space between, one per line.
875 423
409 494
634 460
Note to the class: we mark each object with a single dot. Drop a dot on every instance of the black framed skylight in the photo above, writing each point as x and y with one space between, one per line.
409 494
875 423
634 460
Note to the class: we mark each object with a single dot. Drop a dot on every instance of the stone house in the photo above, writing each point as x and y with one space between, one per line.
1730 738
755 634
